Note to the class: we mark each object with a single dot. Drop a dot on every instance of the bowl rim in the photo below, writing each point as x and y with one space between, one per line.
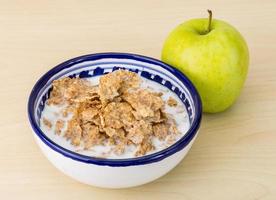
147 159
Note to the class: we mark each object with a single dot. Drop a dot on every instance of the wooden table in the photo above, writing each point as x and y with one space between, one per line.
234 156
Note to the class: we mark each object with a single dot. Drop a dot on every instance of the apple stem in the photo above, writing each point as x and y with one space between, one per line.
210 20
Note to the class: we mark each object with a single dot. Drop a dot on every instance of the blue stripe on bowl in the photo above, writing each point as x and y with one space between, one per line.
150 68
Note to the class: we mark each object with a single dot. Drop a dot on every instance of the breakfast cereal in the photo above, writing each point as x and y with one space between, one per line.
117 113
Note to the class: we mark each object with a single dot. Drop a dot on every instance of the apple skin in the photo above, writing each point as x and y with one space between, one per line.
215 62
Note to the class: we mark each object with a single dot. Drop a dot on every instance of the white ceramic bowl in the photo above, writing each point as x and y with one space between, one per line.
116 173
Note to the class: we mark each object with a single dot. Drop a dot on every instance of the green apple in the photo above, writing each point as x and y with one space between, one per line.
214 56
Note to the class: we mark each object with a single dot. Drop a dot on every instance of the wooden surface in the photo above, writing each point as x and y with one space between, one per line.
234 156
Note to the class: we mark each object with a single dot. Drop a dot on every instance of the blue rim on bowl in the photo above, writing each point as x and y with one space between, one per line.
155 157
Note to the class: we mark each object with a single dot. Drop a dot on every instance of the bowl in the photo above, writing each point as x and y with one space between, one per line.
116 173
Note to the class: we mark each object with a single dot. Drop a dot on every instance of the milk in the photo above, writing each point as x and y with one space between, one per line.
179 113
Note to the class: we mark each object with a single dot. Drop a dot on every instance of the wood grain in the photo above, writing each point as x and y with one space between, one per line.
234 156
